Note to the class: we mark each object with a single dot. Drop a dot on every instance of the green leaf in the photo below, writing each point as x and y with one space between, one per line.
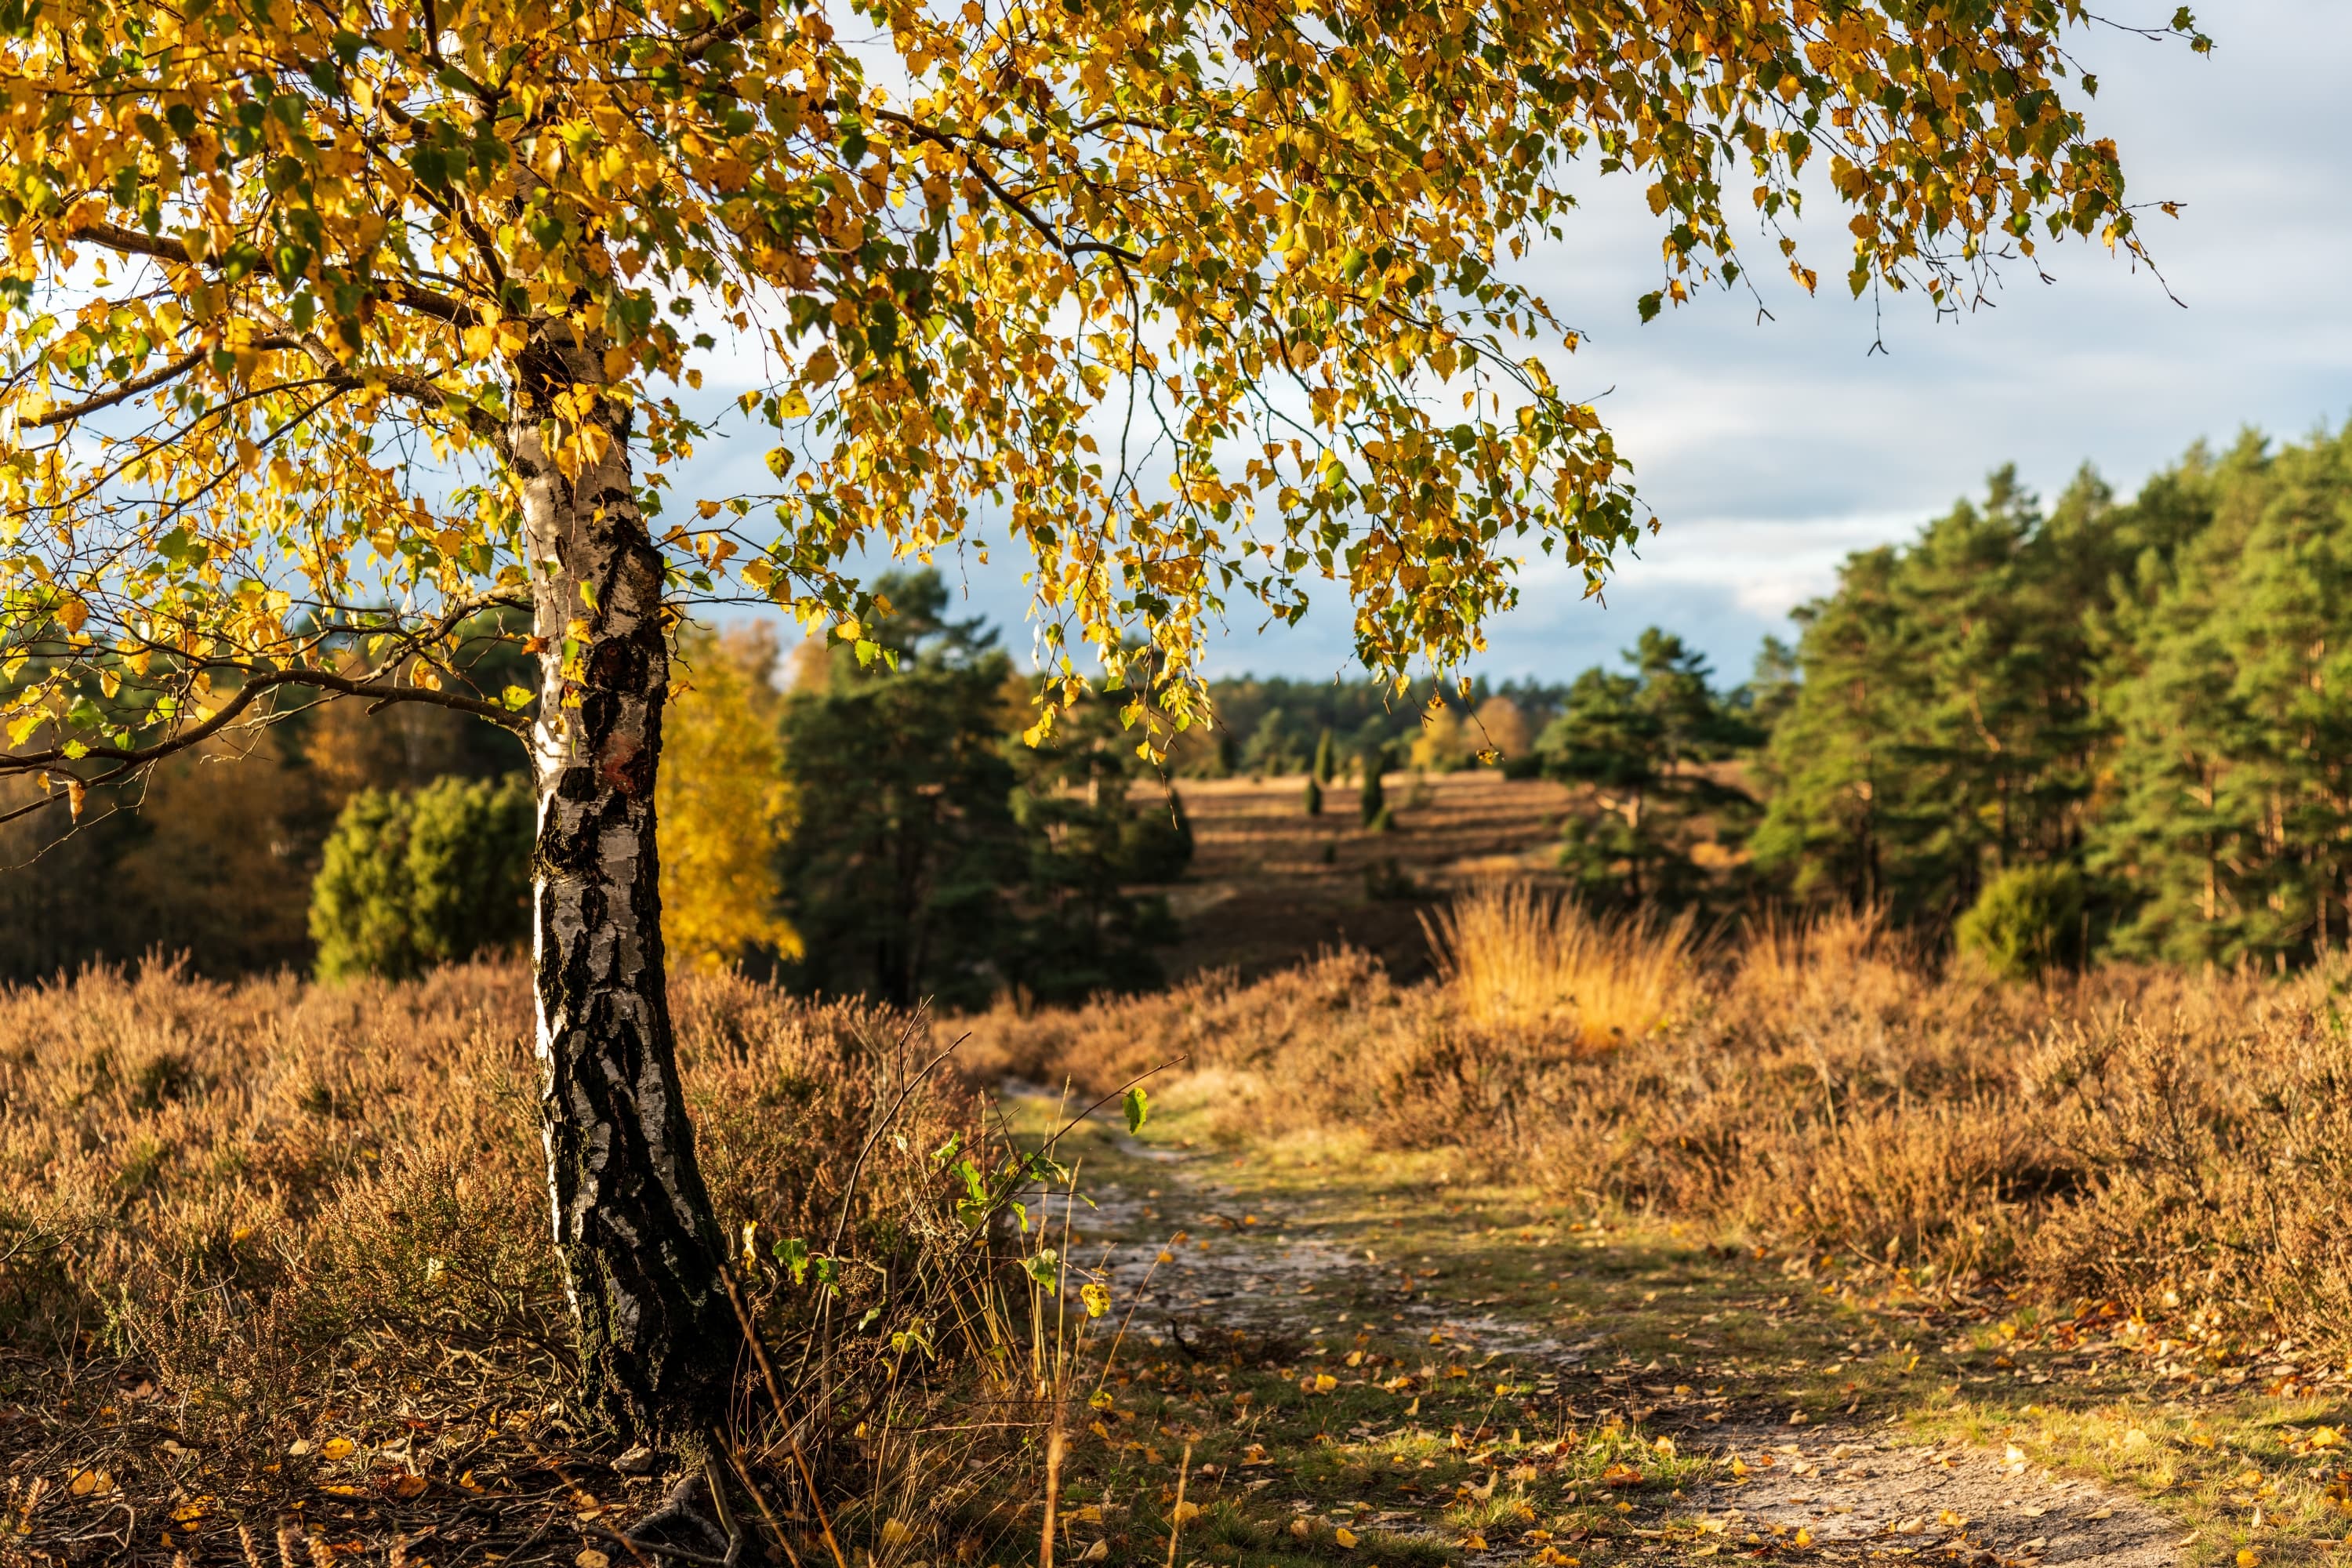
1137 1105
1044 1266
793 1255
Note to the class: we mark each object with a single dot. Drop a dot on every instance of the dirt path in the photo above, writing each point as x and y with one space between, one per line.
1199 1257
1853 1492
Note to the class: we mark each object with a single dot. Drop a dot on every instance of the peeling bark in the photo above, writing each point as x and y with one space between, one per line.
639 1245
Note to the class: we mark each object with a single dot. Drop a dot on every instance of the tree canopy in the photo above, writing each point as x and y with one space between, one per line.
2141 694
1193 300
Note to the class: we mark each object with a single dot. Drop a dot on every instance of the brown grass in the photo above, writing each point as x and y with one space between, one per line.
238 1221
2182 1145
234 1217
253 1188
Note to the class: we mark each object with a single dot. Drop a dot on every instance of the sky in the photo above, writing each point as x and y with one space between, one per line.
1770 450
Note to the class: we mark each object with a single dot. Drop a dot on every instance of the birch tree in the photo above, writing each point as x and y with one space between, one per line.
332 328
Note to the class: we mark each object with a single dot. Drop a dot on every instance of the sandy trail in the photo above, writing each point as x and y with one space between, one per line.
1197 1260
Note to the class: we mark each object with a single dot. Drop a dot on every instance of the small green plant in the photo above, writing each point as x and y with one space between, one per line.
2028 919
1312 797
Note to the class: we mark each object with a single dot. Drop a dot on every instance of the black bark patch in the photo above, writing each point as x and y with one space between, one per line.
616 664
600 710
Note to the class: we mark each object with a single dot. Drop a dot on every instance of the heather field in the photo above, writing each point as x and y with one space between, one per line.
1602 1241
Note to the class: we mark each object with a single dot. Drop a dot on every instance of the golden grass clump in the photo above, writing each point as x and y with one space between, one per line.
1534 959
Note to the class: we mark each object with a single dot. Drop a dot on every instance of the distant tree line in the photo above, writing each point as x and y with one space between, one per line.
1272 727
2101 726
2131 719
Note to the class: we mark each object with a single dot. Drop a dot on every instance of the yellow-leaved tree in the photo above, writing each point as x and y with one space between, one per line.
722 800
334 333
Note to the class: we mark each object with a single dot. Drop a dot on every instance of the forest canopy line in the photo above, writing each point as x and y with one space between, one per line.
2146 693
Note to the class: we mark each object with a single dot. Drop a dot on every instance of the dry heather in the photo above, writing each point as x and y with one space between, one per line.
2182 1145
274 1206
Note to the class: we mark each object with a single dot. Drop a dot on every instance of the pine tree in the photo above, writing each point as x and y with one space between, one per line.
897 873
1371 800
1084 928
2228 825
1832 768
1946 723
1637 740
419 877
1326 765
2287 622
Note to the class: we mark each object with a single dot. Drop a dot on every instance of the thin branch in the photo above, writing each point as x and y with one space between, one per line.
155 378
1071 249
342 686
131 242
123 394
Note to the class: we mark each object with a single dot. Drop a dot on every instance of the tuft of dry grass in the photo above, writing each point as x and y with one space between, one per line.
1532 958
2179 1143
